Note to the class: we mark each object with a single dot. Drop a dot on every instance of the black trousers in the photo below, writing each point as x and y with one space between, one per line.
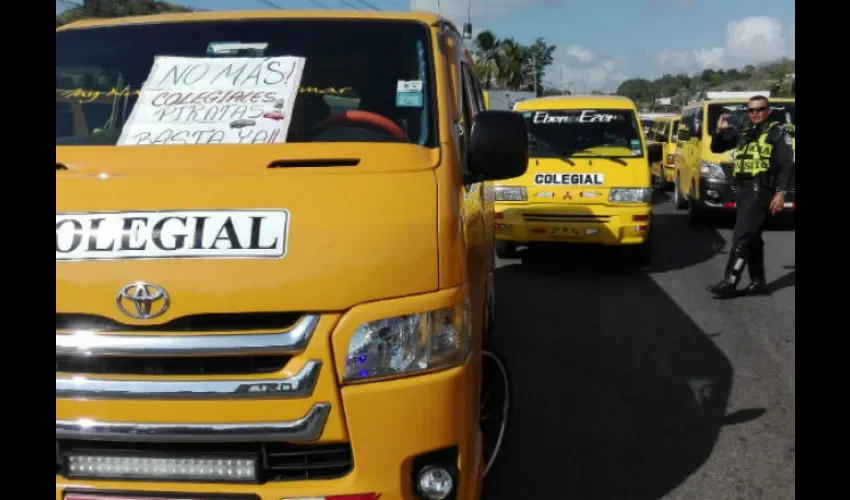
752 213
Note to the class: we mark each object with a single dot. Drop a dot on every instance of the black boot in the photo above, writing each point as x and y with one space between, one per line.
758 282
734 268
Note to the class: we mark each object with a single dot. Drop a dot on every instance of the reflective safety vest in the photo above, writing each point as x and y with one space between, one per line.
753 158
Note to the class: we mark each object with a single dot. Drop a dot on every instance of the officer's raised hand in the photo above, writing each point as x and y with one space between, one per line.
723 123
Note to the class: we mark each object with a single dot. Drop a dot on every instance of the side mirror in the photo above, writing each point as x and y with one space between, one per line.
654 152
498 146
683 134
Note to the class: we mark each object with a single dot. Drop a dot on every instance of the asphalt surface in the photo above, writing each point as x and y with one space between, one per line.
635 385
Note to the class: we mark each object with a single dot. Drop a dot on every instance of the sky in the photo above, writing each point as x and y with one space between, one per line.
600 43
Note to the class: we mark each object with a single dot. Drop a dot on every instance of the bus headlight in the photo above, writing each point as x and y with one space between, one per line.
711 170
408 344
630 195
510 193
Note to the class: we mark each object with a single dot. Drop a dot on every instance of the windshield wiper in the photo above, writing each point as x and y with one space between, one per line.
615 159
566 159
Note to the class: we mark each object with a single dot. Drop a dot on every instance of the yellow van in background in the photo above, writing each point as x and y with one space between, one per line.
703 181
588 178
274 269
663 132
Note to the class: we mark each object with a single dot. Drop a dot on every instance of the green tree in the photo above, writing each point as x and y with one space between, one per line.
538 57
512 58
486 54
116 8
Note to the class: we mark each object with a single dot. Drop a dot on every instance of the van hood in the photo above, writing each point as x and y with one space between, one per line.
325 228
587 181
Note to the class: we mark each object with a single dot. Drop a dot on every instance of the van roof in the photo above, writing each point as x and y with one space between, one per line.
576 101
224 15
736 101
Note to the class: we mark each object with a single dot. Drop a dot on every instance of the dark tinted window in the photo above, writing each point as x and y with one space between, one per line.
673 130
350 65
559 132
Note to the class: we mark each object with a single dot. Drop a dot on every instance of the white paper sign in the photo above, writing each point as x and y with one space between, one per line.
222 100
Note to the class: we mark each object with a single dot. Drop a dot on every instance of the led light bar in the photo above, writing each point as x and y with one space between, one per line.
213 469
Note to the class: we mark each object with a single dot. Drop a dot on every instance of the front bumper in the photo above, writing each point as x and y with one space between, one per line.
719 195
573 223
390 425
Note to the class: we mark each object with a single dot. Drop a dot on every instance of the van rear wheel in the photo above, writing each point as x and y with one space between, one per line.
495 407
506 250
678 199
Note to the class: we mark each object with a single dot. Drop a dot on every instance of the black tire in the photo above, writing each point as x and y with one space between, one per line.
640 256
696 217
678 200
495 407
506 250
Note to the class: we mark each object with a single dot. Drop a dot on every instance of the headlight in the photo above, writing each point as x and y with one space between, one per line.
630 195
408 344
510 193
711 170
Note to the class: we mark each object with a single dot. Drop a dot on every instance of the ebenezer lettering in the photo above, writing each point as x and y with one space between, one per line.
174 234
569 179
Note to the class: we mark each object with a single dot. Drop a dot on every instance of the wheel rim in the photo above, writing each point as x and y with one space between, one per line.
495 405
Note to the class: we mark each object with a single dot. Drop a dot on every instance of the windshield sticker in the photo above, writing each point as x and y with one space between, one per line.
569 179
409 94
219 234
236 48
191 100
84 95
584 116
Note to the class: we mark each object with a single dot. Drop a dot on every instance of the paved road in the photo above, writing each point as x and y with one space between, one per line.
607 362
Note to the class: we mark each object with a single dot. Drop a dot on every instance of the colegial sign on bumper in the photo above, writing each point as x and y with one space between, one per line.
222 234
576 179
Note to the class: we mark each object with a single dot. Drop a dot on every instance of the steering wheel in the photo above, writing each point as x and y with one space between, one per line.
358 117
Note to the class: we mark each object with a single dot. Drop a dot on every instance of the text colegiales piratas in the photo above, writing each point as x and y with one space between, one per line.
88 95
215 101
186 234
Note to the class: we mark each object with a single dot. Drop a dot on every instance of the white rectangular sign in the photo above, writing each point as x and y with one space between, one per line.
218 100
187 234
577 179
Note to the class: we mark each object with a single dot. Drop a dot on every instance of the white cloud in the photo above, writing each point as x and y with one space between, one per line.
582 70
750 40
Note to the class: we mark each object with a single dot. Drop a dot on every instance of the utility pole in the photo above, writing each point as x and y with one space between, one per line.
534 69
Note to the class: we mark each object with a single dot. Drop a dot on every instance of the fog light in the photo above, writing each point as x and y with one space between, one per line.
126 467
435 483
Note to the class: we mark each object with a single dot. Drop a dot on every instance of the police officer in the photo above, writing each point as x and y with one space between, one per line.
764 165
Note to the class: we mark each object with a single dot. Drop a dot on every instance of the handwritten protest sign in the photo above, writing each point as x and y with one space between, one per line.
222 100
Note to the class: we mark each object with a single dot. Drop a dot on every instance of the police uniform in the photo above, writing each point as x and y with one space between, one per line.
764 166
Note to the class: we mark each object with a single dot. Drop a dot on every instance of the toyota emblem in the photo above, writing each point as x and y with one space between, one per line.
142 300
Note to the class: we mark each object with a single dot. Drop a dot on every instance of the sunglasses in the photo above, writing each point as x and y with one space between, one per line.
756 110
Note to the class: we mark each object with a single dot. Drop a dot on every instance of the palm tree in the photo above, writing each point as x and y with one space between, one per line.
487 63
512 57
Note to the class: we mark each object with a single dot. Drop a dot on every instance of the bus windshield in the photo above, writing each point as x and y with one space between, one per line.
588 132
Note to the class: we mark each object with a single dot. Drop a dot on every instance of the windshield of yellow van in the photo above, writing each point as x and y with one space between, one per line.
360 81
583 132
781 112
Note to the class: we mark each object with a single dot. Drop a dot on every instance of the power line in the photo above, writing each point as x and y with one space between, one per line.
370 5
